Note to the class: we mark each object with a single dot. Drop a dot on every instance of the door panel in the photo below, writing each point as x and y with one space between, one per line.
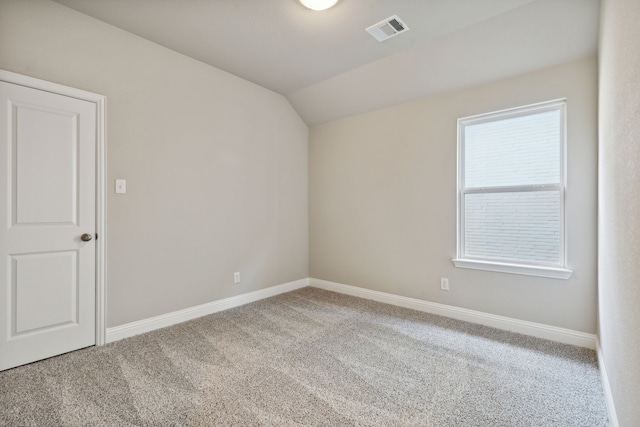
38 304
47 197
45 173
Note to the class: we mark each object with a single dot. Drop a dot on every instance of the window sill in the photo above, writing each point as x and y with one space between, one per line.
502 267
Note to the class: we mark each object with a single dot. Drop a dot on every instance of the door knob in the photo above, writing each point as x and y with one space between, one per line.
86 237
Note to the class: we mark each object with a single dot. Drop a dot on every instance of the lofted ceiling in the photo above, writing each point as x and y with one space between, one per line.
329 67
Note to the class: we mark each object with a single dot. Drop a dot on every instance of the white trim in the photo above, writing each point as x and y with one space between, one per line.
146 325
503 267
523 110
557 271
101 167
553 333
19 79
101 223
608 397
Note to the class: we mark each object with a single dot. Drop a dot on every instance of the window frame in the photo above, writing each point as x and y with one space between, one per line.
553 270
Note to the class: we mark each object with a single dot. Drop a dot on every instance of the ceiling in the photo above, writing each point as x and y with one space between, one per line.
329 67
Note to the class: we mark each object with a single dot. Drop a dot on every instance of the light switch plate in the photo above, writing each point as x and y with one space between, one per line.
121 186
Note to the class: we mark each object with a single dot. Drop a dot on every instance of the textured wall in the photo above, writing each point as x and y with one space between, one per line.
619 205
216 166
382 191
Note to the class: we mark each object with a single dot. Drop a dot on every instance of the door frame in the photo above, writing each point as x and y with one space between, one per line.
101 169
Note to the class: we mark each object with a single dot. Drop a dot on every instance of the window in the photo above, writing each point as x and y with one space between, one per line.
511 190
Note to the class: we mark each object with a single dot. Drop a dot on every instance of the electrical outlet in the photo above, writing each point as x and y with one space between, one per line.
121 186
444 283
236 277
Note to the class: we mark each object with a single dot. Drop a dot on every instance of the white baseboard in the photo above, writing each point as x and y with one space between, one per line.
539 330
566 336
146 325
608 397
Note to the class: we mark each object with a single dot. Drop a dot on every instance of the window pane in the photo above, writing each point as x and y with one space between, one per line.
515 151
519 226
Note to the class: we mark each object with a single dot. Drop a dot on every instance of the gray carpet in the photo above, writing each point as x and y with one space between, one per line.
312 357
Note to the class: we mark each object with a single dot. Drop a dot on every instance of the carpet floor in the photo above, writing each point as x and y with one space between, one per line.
312 358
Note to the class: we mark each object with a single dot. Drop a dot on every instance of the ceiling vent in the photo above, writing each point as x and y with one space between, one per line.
387 28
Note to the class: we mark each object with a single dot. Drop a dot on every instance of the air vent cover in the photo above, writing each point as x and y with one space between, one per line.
387 28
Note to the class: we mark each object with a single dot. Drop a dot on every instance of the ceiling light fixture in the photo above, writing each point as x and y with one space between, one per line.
318 4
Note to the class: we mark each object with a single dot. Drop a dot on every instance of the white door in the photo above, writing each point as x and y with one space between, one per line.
47 203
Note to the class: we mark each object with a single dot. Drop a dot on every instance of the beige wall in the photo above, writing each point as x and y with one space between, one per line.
383 201
619 205
216 167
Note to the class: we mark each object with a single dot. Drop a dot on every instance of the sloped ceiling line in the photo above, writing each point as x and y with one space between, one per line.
328 67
